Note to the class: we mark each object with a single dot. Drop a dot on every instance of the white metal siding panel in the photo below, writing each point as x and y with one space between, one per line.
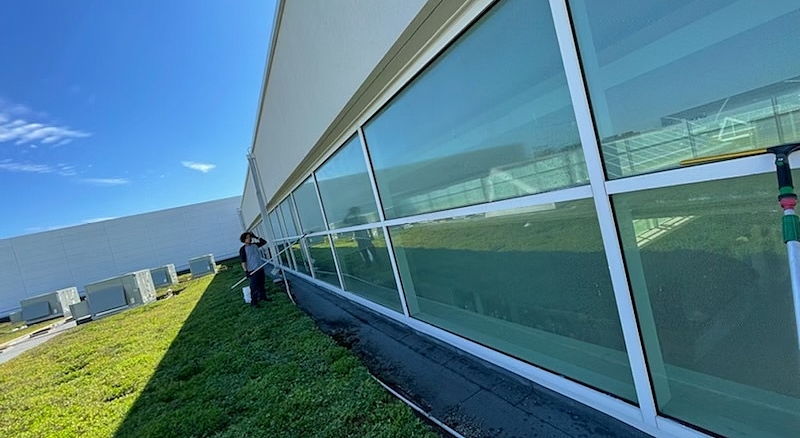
323 52
168 235
10 278
42 263
89 253
130 247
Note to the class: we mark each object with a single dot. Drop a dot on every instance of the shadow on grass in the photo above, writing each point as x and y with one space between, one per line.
238 371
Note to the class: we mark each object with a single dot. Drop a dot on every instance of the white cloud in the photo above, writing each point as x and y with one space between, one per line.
16 126
201 167
66 170
9 165
106 181
22 132
14 109
15 166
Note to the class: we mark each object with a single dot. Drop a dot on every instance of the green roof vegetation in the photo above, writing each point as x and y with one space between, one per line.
201 363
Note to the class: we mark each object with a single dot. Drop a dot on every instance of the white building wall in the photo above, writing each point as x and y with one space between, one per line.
39 263
88 244
10 277
323 52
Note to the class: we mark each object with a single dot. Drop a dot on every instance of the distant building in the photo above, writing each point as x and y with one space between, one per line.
39 263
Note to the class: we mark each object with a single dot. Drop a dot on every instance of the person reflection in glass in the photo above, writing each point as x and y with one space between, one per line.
362 237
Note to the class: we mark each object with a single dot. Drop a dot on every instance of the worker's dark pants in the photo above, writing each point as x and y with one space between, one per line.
257 292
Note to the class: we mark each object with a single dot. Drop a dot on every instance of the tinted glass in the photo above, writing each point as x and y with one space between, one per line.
345 188
319 248
680 79
366 269
287 209
277 231
490 119
531 282
308 208
710 278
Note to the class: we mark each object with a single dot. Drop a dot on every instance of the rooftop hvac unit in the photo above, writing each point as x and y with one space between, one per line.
80 312
15 317
48 306
203 265
131 289
164 276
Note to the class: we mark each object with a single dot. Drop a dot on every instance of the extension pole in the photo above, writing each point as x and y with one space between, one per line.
787 198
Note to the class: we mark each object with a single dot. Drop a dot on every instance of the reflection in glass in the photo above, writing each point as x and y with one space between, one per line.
789 109
675 80
286 208
319 249
490 119
366 268
261 231
345 188
300 257
277 232
710 279
285 255
531 282
308 208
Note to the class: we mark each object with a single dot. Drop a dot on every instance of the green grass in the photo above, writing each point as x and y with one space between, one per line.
199 364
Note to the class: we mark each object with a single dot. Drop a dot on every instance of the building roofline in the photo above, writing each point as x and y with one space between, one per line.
276 21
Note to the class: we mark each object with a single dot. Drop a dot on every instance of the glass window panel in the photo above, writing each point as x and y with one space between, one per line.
284 255
531 282
710 279
300 257
789 110
287 215
319 249
366 268
308 208
345 189
261 231
674 80
275 225
490 119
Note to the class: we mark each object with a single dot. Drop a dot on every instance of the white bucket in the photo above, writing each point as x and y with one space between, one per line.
246 293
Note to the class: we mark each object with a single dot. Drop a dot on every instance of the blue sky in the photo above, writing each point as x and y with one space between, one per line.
114 108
